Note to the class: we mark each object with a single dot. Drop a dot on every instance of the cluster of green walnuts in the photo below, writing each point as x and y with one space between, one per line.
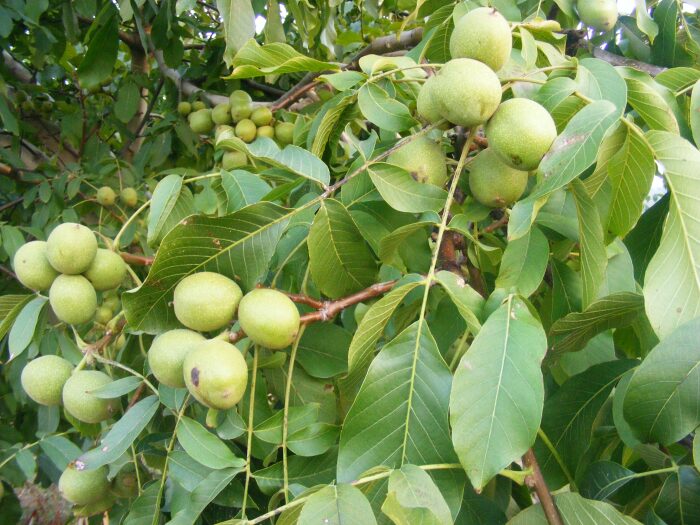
236 118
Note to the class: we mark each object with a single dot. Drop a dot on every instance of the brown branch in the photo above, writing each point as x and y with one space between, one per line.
450 255
8 272
101 343
140 260
305 84
137 395
11 204
536 481
305 299
617 60
496 224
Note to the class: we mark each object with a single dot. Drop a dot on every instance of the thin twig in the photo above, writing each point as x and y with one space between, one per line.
141 260
536 481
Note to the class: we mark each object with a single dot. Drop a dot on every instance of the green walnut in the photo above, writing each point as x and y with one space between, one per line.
198 105
206 301
246 130
32 266
494 183
106 196
484 35
467 91
600 15
233 159
240 97
216 374
427 107
82 487
43 379
129 197
424 159
240 111
167 353
103 315
201 122
184 108
107 270
73 299
266 131
71 248
81 404
125 484
261 116
269 318
221 113
521 132
284 132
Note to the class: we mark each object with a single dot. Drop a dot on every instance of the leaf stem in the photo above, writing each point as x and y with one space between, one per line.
126 369
251 422
285 419
117 238
557 457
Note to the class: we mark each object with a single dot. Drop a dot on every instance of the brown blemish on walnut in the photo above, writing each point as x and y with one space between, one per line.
194 376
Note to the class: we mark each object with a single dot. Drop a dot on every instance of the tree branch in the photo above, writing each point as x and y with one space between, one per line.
187 88
140 260
536 481
16 68
617 60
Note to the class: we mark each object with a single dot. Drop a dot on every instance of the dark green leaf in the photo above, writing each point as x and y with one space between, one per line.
337 505
205 447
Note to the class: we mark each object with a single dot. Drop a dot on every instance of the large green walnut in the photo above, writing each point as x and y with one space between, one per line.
240 110
221 113
73 299
426 105
261 116
206 301
216 374
494 183
167 353
284 132
43 379
266 131
184 108
598 14
269 318
484 35
424 159
201 122
83 487
233 159
106 196
71 248
240 97
81 404
521 132
32 266
129 197
107 270
246 130
467 92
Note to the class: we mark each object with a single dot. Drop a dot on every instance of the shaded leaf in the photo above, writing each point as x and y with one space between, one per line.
384 111
575 510
679 500
603 478
204 446
413 497
524 263
238 26
337 505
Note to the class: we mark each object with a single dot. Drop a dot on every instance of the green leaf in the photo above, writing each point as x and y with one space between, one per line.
165 198
242 188
524 263
306 472
391 244
24 326
238 24
599 80
569 415
594 258
603 478
555 91
117 388
274 30
413 497
467 300
678 78
384 111
232 425
122 434
679 496
329 122
662 404
402 192
10 307
205 447
7 117
498 393
102 47
270 430
572 153
667 51
644 22
60 450
646 96
203 494
239 245
254 60
400 413
145 509
572 332
339 259
344 80
127 104
672 280
368 332
695 112
575 510
323 350
313 439
337 505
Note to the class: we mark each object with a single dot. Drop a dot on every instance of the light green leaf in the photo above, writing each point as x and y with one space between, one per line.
300 417
24 326
306 472
402 192
122 434
572 332
384 111
163 202
254 60
239 245
644 22
60 450
594 258
662 404
10 307
555 91
329 122
274 30
575 510
467 300
205 447
413 497
672 280
344 80
238 20
678 78
695 112
524 263
646 96
337 505
117 388
314 439
599 80
400 413
145 509
339 258
498 393
242 188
